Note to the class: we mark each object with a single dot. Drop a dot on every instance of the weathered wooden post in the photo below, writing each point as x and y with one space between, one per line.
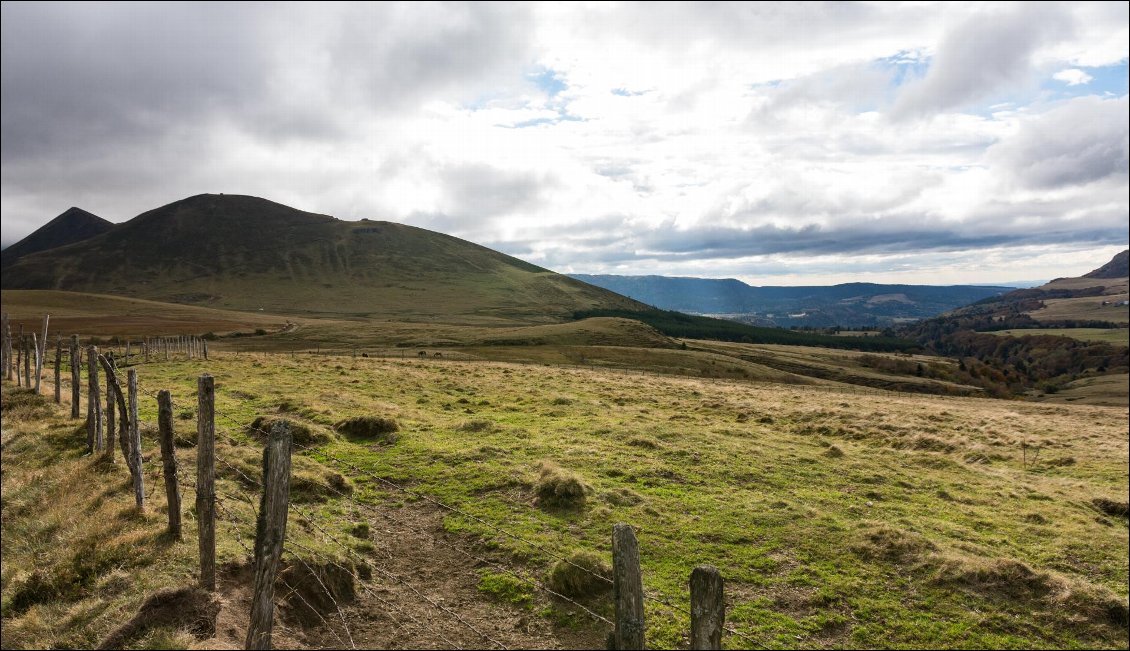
38 361
135 443
165 347
27 362
76 376
41 352
127 352
270 532
169 457
110 424
145 349
627 588
5 335
708 610
58 370
205 479
93 402
115 389
204 346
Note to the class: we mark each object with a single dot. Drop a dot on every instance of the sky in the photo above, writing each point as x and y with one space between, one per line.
776 143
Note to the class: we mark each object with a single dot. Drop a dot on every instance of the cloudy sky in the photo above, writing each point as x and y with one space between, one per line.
776 143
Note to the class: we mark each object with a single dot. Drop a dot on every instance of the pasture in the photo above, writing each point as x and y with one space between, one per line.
838 516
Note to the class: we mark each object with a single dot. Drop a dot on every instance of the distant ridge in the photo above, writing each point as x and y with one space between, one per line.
849 304
73 225
248 253
1118 267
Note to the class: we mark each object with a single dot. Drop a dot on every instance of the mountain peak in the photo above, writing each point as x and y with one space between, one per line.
1118 267
72 225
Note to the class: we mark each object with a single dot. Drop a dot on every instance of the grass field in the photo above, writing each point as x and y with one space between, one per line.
1117 336
838 518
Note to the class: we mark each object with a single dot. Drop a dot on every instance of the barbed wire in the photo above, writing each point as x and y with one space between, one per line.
651 595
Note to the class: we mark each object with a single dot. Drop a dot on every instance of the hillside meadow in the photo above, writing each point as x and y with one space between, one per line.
839 516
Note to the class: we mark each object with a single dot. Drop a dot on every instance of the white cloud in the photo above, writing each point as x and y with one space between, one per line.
1073 77
801 133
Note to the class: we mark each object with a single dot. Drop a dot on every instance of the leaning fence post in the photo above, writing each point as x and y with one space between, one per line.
708 610
205 479
169 457
135 443
76 376
115 389
627 588
38 361
270 532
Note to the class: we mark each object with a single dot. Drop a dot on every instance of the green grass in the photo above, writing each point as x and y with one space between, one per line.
931 529
1117 336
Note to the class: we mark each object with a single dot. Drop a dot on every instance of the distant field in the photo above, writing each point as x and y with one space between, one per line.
104 315
1119 336
1102 390
1084 309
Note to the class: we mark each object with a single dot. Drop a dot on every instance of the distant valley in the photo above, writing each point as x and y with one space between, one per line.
850 305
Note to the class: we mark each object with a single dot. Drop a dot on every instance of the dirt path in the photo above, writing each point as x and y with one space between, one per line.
436 603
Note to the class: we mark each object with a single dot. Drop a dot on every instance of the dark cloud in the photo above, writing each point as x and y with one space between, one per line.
1086 139
986 54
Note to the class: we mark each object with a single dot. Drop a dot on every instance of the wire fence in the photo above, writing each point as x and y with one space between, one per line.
229 515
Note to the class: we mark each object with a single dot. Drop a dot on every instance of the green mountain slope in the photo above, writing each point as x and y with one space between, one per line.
73 225
248 253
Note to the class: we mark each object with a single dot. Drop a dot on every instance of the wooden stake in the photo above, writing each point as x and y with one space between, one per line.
169 457
270 534
708 610
205 479
76 376
123 414
135 443
93 402
58 370
627 588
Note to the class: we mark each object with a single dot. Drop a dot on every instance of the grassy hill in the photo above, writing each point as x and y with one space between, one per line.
247 253
73 225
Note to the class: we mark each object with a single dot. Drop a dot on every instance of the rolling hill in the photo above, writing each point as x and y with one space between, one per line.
848 305
248 253
73 225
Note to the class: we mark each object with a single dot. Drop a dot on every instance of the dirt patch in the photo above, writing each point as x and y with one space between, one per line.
189 609
414 560
310 591
1111 507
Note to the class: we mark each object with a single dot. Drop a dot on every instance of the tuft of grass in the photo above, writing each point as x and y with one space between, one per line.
559 488
476 426
834 452
303 433
1111 507
506 588
24 404
370 428
584 574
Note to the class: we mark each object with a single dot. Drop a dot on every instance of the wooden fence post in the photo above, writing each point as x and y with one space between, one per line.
38 361
58 370
109 418
93 402
169 457
270 532
708 610
41 352
205 479
27 363
135 443
76 376
204 345
627 588
4 340
123 415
